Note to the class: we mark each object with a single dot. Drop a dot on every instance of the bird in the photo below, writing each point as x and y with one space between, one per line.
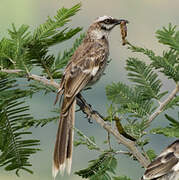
85 68
165 166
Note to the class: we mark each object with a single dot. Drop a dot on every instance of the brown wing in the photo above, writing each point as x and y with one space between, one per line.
165 163
84 64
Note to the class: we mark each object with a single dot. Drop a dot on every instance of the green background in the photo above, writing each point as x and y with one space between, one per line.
145 16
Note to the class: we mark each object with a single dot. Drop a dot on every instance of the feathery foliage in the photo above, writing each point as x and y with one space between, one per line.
171 131
140 100
84 140
137 102
22 51
48 34
168 64
130 100
15 150
145 79
169 36
99 168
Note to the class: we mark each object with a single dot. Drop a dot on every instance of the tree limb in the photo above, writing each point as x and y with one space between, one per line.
163 104
86 108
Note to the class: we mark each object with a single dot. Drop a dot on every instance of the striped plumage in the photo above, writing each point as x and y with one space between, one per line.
85 68
166 165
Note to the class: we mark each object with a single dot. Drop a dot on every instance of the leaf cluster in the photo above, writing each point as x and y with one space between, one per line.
137 102
168 63
100 168
172 130
25 50
84 140
140 99
15 150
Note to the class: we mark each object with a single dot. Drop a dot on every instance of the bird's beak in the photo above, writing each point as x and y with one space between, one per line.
118 21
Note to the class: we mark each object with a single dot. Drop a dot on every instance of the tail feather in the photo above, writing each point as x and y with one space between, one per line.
64 142
70 140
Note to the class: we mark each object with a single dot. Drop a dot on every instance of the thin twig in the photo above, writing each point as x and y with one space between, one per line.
87 139
145 154
33 77
48 72
163 104
109 140
44 80
11 71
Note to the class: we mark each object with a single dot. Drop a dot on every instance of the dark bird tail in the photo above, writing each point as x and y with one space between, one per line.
64 141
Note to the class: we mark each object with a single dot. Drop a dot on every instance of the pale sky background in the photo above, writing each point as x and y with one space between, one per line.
145 16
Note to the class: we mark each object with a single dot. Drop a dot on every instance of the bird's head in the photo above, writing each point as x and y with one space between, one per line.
103 25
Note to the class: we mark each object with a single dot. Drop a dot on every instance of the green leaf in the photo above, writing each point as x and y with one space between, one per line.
172 120
48 34
12 50
170 131
49 28
99 168
15 151
173 103
146 80
151 154
130 100
84 140
169 36
168 64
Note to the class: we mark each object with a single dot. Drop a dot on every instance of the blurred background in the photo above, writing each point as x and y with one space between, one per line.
145 16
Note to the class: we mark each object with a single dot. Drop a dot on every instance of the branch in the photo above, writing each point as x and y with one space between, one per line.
11 71
163 104
32 76
43 80
86 108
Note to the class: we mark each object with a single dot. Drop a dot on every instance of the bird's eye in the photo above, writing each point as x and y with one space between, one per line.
107 21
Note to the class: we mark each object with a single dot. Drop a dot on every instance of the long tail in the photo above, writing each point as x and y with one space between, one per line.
64 141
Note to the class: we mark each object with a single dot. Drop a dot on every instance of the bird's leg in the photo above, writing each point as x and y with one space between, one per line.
83 104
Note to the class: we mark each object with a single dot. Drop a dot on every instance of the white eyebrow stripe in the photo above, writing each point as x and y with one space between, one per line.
102 18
